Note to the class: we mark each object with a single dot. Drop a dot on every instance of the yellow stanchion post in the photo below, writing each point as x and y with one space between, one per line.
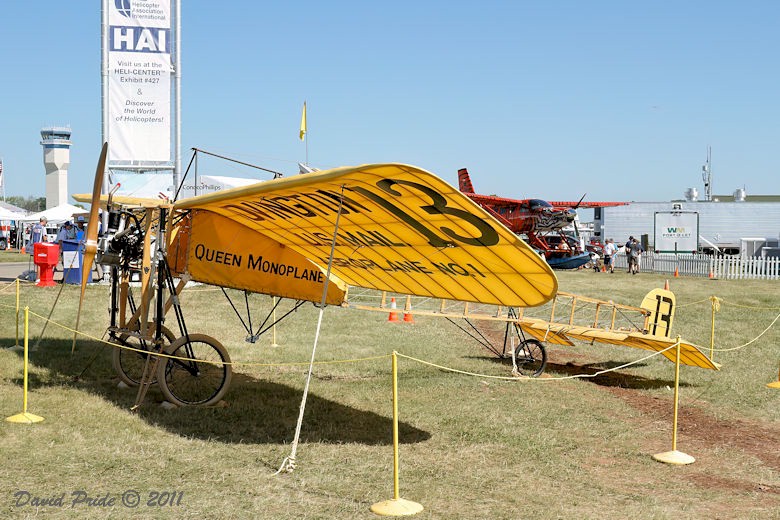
715 307
775 384
675 457
17 313
16 347
25 417
396 506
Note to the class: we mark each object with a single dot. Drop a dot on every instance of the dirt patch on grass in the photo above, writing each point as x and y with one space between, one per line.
698 426
752 437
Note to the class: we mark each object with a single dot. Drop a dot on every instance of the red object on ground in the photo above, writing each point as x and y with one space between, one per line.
46 257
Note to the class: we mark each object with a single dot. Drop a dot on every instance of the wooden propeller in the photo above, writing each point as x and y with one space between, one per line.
90 247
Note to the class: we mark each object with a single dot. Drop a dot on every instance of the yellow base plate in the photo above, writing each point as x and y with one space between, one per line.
674 457
396 507
24 418
775 384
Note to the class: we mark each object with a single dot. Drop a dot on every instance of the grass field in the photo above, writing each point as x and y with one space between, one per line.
13 256
471 447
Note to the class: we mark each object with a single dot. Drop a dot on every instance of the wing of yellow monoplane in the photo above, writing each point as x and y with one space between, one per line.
651 332
562 334
397 228
124 200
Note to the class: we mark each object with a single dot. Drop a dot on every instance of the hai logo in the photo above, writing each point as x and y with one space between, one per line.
123 6
139 39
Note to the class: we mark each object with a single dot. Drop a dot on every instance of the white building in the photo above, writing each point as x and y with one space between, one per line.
733 224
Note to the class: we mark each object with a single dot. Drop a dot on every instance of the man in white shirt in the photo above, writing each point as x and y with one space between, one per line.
609 255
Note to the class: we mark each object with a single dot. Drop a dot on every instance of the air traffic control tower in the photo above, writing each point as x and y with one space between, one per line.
56 158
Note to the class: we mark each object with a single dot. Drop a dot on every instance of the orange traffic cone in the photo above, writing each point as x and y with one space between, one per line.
712 275
676 272
408 317
393 313
666 285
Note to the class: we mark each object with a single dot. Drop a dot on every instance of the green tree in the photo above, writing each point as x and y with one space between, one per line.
30 203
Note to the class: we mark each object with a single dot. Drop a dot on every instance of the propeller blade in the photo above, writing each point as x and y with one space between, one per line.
90 247
580 202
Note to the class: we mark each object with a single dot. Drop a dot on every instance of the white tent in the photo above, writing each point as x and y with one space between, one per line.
6 214
55 215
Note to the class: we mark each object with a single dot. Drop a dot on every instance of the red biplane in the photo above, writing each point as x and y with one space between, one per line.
540 221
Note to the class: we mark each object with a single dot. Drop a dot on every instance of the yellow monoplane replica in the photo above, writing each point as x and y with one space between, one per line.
387 227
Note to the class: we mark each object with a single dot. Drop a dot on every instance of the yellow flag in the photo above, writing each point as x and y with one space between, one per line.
303 122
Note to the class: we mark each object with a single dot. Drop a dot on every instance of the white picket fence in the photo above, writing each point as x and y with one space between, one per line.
724 267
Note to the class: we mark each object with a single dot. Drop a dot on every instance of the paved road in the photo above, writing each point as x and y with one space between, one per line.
9 271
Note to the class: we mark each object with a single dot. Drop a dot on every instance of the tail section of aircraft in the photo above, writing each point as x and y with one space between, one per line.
661 304
464 181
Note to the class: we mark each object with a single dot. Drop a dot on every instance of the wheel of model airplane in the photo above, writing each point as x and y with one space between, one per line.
531 357
197 375
129 364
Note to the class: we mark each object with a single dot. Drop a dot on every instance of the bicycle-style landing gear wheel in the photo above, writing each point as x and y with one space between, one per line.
531 357
200 377
129 364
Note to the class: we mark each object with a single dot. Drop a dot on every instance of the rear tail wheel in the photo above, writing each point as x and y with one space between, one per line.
531 357
200 377
129 364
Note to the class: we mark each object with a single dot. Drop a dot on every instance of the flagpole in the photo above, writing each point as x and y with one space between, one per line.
303 132
2 178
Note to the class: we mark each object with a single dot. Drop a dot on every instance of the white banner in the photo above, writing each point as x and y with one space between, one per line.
676 232
139 80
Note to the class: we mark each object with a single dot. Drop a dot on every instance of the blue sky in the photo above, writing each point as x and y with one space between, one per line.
537 99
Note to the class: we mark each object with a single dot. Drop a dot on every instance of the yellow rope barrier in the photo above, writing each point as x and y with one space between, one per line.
752 340
545 379
715 302
355 360
749 306
697 302
218 363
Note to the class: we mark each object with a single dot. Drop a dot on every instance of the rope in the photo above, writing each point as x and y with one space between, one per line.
752 340
218 363
516 378
692 303
288 464
749 306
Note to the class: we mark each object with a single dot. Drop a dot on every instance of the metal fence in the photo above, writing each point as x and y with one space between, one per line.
726 267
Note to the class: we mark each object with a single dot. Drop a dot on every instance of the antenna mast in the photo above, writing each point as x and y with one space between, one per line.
706 175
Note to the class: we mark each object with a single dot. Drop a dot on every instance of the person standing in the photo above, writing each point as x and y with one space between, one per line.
627 250
635 249
39 231
37 234
609 255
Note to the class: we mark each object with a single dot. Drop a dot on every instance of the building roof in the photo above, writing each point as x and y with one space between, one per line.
730 198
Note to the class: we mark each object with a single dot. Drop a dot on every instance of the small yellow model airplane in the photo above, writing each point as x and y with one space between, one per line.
559 321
